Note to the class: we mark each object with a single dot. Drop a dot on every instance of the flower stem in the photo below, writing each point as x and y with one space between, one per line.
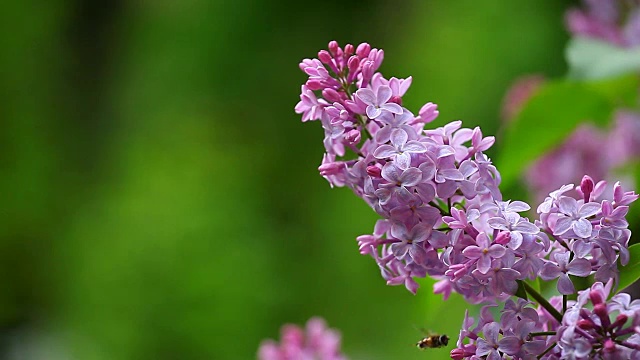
547 350
542 301
542 333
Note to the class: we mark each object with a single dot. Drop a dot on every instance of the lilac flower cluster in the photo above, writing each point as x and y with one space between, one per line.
602 330
614 21
437 192
315 342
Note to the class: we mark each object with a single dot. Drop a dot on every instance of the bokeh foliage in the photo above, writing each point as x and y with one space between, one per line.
160 197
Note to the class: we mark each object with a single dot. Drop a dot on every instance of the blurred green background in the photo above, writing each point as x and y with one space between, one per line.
160 198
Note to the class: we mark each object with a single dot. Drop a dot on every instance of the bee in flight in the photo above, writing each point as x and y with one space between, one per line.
433 341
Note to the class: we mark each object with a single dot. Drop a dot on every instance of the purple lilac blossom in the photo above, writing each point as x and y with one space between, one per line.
614 21
438 193
591 328
314 342
603 329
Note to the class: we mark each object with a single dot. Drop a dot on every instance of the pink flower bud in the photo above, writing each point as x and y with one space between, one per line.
457 354
596 297
353 137
396 99
503 238
428 112
363 50
314 85
332 168
620 321
586 324
601 310
374 171
367 72
586 186
353 63
609 346
331 95
333 47
324 56
348 50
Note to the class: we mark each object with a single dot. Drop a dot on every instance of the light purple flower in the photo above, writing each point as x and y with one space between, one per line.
562 268
399 180
484 252
574 217
411 241
392 122
400 149
378 102
516 225
310 106
622 303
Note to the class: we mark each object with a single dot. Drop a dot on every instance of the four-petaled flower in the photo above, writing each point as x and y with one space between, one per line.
573 216
379 101
484 252
400 149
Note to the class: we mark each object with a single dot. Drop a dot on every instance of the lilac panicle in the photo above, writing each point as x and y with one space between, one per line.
314 342
437 192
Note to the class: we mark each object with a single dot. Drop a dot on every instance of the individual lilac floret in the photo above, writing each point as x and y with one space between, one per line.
315 342
562 268
573 216
378 102
484 252
400 149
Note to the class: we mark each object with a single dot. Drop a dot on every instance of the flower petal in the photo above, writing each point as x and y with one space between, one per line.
383 95
384 151
582 227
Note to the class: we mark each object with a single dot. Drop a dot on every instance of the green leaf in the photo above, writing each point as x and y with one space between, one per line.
553 112
630 273
547 118
594 59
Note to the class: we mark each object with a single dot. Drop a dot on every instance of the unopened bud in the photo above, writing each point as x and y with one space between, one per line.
610 346
596 297
367 72
324 56
620 321
457 354
334 47
396 99
586 186
315 85
332 168
374 171
353 137
503 238
428 112
363 50
348 49
586 324
353 63
331 95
